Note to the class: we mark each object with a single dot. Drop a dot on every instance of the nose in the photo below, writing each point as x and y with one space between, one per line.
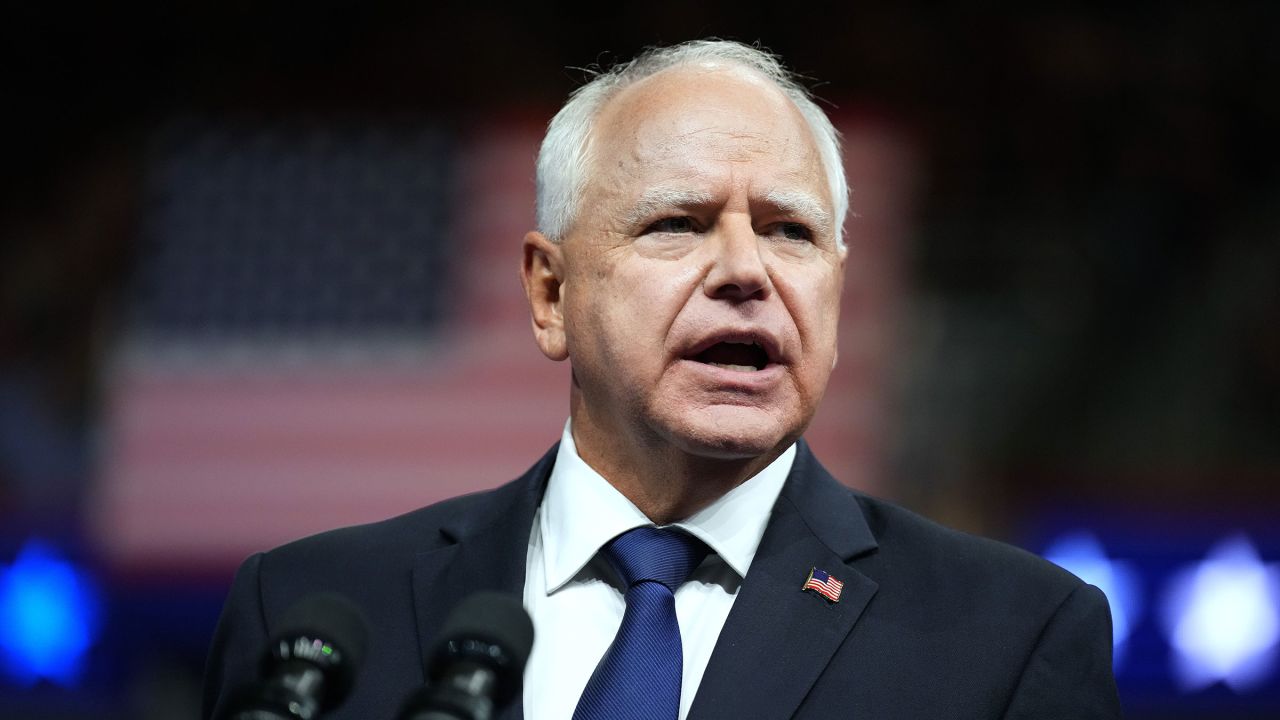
737 269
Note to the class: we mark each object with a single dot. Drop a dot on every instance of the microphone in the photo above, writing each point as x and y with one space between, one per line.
477 664
310 663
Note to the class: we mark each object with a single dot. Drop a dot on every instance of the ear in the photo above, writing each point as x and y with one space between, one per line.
542 275
843 252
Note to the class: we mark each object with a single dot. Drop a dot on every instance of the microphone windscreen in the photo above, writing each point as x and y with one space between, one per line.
493 618
339 635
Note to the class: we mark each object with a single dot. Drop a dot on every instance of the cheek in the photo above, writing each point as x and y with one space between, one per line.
814 304
651 294
624 313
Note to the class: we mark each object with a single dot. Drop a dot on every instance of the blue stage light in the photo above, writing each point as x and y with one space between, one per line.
1083 555
1222 617
48 617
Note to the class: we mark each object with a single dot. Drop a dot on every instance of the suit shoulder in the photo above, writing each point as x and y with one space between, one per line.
945 555
427 528
417 531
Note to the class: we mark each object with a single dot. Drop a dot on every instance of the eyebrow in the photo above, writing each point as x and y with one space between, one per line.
802 205
657 199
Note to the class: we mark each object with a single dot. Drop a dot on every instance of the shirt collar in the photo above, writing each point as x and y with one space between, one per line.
581 512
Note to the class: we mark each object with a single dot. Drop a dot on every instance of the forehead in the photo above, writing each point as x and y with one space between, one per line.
700 123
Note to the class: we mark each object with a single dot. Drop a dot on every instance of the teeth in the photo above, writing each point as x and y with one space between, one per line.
739 368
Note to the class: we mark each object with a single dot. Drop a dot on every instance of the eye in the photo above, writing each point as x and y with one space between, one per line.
672 225
794 231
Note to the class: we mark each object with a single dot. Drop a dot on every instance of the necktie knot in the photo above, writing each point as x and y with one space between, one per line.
662 555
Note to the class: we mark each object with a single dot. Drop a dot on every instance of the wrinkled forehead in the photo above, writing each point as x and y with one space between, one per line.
678 119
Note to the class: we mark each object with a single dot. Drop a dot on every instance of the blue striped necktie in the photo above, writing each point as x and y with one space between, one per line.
639 676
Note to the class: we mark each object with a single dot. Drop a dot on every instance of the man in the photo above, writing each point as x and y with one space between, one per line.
689 265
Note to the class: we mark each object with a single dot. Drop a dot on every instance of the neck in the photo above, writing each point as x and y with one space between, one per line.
667 483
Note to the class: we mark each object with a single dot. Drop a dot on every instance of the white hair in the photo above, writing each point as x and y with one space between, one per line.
564 159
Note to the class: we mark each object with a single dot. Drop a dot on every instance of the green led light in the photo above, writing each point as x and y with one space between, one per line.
326 650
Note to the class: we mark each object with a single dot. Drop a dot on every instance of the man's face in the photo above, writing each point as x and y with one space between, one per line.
701 277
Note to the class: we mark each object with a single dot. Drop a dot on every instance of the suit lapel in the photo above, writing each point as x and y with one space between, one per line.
488 552
778 639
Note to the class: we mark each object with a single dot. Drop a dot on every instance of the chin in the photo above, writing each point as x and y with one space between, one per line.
731 433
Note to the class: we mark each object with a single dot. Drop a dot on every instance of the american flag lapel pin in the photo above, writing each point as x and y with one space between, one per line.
823 584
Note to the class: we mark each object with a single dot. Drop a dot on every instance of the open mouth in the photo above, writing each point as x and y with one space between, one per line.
742 357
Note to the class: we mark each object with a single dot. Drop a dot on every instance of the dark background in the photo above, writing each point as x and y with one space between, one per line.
1092 334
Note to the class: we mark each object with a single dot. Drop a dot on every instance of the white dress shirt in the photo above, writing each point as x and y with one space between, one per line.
577 601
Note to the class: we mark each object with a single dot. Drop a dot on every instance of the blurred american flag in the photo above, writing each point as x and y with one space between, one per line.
328 329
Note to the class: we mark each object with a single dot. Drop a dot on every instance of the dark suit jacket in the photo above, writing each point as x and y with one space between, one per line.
932 623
